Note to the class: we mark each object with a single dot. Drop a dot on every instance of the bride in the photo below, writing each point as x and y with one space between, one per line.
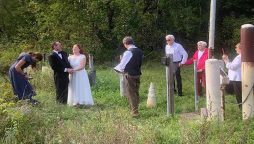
79 91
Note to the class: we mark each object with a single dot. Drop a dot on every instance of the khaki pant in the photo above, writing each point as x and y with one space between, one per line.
132 91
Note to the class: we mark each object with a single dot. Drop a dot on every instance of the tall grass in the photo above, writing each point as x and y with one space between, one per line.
109 121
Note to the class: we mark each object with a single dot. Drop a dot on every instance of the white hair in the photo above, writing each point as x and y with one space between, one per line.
170 37
202 43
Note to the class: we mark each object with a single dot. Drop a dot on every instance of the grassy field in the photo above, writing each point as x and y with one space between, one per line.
109 121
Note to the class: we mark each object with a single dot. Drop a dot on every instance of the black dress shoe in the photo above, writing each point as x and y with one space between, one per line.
180 94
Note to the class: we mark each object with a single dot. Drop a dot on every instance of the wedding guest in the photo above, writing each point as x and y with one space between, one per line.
19 79
79 91
179 58
201 55
234 74
58 61
130 65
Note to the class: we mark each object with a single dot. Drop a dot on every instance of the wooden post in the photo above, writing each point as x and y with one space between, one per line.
195 86
170 85
122 84
213 94
247 51
92 72
91 66
44 57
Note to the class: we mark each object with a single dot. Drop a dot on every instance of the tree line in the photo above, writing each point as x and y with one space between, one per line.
100 25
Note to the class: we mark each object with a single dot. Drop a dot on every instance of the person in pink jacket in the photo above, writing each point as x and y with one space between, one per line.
201 55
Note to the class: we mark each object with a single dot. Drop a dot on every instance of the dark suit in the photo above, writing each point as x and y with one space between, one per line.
61 78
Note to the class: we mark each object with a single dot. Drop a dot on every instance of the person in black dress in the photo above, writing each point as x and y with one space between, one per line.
19 79
58 60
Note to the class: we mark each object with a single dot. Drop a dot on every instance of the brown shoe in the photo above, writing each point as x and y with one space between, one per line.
135 115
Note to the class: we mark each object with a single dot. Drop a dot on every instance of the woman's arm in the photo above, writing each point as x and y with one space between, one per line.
19 65
81 65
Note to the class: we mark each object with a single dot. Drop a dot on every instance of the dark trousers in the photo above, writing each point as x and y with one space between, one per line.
235 87
61 83
132 84
178 78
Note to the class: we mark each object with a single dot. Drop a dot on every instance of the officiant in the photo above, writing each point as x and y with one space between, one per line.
130 65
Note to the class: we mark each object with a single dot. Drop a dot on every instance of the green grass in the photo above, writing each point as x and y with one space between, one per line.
109 121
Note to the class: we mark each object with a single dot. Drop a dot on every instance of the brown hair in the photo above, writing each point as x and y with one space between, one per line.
53 44
81 51
128 40
37 55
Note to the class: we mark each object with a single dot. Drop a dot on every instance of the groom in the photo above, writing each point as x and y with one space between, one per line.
58 61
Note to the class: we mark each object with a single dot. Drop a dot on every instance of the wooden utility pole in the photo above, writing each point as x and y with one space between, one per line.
247 51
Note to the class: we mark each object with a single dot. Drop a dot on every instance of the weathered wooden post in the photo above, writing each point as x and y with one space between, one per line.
122 84
44 57
247 51
92 72
195 85
170 84
122 87
214 109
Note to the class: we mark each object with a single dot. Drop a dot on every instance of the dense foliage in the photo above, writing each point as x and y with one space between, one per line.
100 25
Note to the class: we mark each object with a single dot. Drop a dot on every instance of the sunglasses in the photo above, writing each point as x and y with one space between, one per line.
168 40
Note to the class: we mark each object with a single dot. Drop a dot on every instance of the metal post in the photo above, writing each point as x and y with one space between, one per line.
170 85
195 85
212 27
222 88
247 50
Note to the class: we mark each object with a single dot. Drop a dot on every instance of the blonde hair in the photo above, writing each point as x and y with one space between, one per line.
238 45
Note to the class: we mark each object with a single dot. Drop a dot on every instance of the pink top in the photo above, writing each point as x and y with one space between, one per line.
201 61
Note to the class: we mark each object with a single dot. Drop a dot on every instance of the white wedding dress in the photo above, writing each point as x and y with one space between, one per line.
79 91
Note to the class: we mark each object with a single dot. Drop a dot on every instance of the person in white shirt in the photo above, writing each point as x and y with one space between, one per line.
234 74
179 58
130 65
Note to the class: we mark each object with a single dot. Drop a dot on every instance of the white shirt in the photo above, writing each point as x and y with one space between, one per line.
234 69
60 55
125 59
179 54
200 53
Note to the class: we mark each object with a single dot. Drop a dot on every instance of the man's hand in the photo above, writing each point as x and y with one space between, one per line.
200 70
70 70
118 71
